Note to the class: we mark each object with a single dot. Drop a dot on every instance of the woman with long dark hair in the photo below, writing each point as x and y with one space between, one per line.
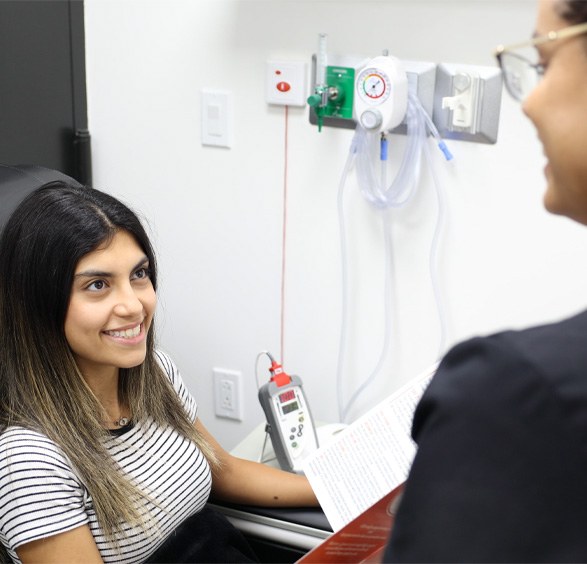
102 455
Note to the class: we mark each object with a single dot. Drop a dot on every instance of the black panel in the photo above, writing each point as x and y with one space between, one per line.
43 113
268 551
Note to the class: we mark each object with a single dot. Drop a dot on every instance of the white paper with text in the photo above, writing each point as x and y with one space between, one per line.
368 458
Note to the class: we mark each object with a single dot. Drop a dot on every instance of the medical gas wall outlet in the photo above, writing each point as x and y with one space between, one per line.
335 99
381 92
285 83
467 102
464 104
333 87
331 102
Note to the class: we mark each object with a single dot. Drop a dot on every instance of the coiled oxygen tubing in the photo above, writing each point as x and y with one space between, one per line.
384 197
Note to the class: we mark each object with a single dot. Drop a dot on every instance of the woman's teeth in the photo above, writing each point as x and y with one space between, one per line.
128 334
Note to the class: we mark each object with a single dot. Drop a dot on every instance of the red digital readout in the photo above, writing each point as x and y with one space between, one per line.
287 396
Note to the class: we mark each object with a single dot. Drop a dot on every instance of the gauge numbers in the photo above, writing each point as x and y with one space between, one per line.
374 85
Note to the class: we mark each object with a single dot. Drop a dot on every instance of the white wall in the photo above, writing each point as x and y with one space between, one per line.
216 214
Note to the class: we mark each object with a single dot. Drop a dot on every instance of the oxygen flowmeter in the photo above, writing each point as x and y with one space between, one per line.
381 94
332 97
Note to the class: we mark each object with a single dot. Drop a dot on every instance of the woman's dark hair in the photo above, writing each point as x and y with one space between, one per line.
574 11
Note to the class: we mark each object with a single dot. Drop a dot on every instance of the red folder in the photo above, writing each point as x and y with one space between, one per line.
363 539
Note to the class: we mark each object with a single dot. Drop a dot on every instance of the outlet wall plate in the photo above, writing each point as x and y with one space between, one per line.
228 393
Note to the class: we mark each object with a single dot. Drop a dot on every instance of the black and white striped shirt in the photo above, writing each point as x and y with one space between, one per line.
41 494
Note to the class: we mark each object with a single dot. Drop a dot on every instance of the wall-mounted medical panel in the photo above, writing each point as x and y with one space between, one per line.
462 100
467 101
337 106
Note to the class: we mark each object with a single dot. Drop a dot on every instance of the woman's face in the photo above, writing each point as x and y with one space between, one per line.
558 109
111 308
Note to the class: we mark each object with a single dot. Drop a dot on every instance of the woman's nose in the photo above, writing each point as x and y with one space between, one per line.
128 302
528 105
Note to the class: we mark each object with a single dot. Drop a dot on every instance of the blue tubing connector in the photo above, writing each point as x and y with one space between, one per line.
383 149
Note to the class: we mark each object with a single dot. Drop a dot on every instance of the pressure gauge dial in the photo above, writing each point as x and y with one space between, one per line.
373 85
381 94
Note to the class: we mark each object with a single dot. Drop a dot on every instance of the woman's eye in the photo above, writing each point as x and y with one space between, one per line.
96 286
142 273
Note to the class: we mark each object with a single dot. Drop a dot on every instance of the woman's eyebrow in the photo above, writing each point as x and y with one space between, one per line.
104 274
93 273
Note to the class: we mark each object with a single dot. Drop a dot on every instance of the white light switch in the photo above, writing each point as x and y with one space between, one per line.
217 118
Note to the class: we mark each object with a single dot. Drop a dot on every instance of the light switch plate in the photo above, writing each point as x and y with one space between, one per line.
217 118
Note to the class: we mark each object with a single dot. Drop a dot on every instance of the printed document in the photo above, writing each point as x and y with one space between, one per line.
369 458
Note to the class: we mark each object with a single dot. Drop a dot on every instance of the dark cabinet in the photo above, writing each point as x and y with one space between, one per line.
43 110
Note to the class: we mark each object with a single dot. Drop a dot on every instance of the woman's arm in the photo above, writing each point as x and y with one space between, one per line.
243 481
75 546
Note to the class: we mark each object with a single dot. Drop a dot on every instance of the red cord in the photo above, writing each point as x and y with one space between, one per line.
284 233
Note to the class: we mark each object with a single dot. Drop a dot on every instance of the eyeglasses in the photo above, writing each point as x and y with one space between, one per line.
520 64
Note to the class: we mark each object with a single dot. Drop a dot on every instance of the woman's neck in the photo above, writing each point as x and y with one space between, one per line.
104 385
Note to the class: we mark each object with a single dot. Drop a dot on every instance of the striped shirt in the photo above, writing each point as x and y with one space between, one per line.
41 494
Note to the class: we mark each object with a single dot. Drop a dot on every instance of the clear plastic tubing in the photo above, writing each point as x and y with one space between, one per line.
383 196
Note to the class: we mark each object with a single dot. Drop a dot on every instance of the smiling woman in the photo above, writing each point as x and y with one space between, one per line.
102 456
68 370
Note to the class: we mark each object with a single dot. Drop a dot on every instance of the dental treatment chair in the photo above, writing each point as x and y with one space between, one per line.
17 181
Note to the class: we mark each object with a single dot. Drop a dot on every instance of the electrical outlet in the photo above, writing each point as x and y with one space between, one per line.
228 393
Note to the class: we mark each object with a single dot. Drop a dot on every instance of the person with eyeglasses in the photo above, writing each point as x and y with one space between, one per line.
500 474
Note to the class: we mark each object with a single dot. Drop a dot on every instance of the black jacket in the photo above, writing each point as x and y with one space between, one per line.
501 469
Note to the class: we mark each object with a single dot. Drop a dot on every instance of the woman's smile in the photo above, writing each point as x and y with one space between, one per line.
127 334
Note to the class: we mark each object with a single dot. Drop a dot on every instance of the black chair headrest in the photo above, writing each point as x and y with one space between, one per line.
17 181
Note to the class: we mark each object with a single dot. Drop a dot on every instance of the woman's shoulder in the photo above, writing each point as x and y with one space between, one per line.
31 450
529 372
168 365
174 375
552 352
16 437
